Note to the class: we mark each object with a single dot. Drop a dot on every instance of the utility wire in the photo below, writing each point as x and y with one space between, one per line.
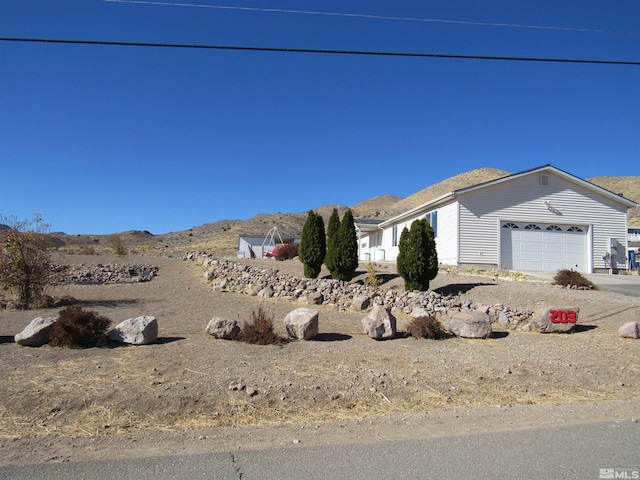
312 50
376 17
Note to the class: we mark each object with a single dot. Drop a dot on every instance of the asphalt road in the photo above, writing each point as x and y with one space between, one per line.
568 452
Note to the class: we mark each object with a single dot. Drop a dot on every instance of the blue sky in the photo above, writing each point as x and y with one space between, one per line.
102 139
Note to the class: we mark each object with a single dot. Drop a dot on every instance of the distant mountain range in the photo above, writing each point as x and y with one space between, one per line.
221 237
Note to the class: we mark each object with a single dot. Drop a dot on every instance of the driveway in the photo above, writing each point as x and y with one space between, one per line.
624 284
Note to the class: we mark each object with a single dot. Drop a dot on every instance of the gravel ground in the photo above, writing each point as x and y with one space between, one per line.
102 399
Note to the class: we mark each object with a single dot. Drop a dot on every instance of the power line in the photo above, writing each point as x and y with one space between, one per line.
323 51
375 17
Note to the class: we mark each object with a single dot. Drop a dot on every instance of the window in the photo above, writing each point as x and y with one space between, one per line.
574 229
394 236
554 228
432 218
532 226
510 225
544 180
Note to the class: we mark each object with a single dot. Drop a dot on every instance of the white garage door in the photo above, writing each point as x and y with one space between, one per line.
537 247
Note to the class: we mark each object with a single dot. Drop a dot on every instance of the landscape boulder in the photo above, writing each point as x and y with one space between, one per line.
36 333
629 330
380 323
316 298
302 323
223 328
361 302
555 319
266 292
469 324
141 330
420 312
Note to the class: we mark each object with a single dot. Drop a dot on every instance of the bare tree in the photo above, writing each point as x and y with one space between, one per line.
25 261
117 245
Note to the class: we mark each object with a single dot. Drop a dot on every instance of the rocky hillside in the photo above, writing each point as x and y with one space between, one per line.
222 237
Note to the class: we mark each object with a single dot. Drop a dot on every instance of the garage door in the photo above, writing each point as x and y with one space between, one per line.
538 247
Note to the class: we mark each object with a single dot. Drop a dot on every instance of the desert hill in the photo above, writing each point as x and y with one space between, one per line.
463 180
222 236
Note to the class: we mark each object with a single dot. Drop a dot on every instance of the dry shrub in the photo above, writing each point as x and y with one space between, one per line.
571 277
86 250
286 252
372 278
116 243
426 327
78 328
260 330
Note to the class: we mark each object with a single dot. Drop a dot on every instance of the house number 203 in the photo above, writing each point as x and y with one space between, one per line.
562 316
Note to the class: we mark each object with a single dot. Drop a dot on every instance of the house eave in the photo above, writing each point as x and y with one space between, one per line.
561 173
416 210
545 168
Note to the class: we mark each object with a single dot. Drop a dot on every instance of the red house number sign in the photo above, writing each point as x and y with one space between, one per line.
562 316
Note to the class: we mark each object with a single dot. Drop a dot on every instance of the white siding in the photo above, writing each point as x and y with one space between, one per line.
391 251
523 200
447 240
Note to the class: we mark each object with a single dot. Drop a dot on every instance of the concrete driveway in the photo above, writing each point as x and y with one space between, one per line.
623 284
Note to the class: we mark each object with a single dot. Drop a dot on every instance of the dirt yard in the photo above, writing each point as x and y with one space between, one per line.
64 404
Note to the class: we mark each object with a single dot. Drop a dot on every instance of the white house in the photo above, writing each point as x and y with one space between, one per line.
543 219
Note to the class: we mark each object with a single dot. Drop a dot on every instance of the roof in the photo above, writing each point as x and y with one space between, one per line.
545 168
367 224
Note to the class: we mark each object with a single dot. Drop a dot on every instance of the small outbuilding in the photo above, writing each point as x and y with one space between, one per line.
262 246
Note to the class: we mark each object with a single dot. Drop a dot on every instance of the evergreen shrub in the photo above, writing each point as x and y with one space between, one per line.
417 261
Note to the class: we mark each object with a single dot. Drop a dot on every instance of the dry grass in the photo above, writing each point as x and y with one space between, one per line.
183 382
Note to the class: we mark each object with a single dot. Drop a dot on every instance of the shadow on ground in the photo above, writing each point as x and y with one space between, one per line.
495 335
583 328
107 303
332 337
457 288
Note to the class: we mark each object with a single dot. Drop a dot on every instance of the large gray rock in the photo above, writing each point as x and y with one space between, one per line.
36 333
629 330
380 323
223 328
316 298
302 323
141 330
555 319
420 312
361 302
469 324
266 292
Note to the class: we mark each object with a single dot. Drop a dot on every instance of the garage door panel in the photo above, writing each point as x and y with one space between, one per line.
541 249
531 246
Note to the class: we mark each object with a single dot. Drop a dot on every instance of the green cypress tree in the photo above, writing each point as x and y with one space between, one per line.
332 230
313 246
417 261
346 249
